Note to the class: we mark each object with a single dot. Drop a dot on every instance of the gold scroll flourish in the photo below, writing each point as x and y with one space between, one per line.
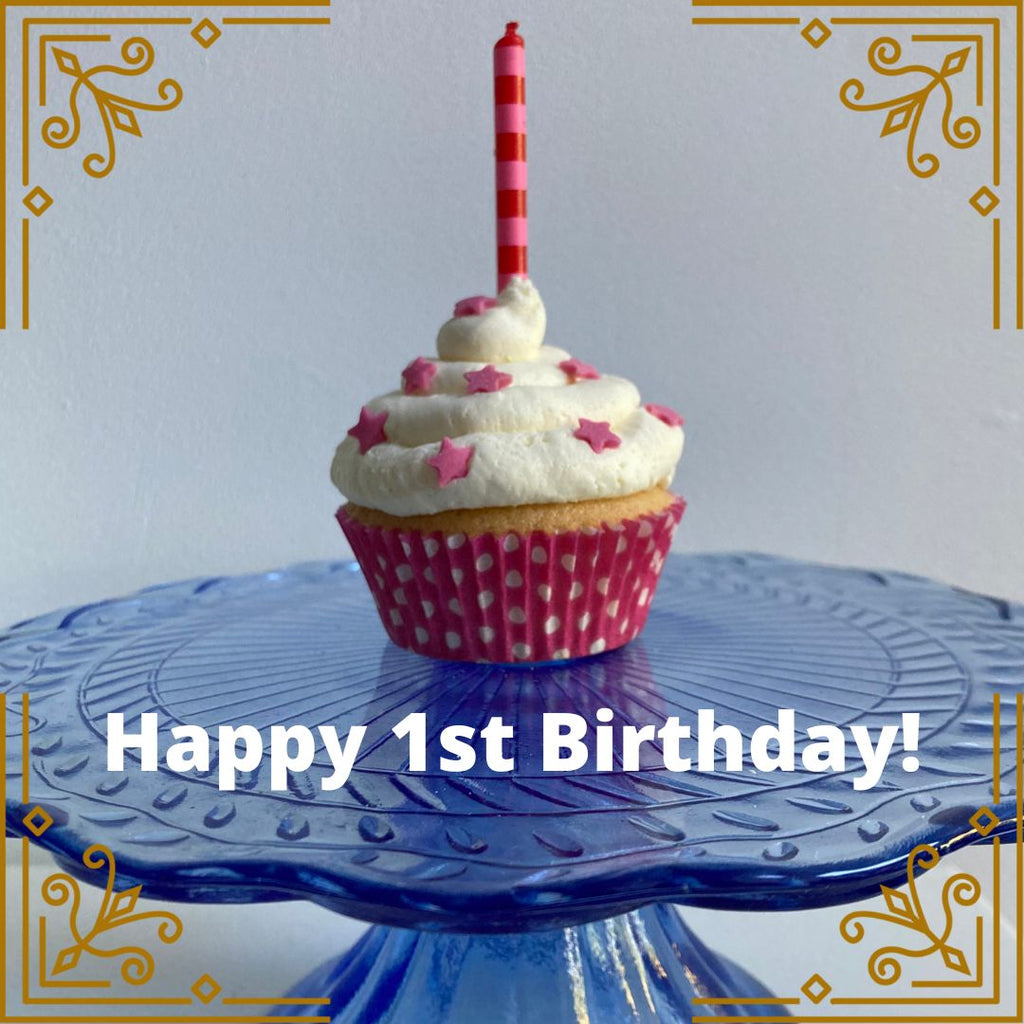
906 912
116 910
116 111
907 109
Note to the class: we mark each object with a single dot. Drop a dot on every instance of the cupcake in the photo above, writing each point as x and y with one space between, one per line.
509 503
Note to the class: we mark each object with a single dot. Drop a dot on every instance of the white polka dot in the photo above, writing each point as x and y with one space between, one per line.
453 640
561 654
539 555
621 546
623 625
513 579
597 646
382 561
645 596
428 574
428 608
645 529
484 562
650 546
551 624
511 542
406 548
583 621
422 635
486 634
404 573
456 540
602 585
399 596
516 615
396 616
569 562
380 579
575 590
457 575
430 546
544 591
485 598
636 583
613 608
590 531
454 605
521 650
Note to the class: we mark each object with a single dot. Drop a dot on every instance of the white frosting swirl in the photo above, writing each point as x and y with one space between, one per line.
524 448
511 331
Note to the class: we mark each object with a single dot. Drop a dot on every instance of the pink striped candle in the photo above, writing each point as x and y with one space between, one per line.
510 153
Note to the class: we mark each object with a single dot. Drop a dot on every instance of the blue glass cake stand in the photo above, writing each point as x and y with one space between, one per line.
526 895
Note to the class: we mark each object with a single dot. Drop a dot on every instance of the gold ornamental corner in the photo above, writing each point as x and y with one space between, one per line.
904 910
116 911
930 72
117 112
83 74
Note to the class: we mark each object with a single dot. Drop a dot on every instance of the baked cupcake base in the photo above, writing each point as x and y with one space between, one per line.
533 583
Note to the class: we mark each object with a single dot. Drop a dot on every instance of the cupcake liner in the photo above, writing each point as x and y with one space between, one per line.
514 597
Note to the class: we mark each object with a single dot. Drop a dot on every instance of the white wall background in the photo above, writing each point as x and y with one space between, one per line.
706 218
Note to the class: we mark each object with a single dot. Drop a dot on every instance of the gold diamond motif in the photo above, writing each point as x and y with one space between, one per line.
206 33
67 960
816 988
898 903
67 62
954 62
124 902
983 821
37 821
955 960
984 200
816 32
125 120
38 201
899 118
205 989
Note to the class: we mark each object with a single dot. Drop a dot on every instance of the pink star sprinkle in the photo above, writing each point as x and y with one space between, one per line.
667 416
488 379
369 431
451 462
416 377
575 370
474 306
598 434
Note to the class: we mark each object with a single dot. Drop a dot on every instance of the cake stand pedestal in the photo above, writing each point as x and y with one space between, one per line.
521 896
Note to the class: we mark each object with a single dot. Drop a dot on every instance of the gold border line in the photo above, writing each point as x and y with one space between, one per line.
24 273
992 1000
999 246
29 1000
27 25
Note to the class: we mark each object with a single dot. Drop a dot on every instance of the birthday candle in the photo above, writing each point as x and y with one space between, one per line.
510 153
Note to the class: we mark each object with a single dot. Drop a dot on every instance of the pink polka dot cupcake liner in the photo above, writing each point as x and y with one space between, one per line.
514 597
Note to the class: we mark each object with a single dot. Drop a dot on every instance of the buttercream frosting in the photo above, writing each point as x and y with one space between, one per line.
540 437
